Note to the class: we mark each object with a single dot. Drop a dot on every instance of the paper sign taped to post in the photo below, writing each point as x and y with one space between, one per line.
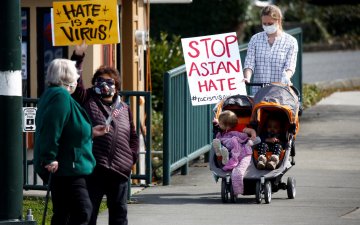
94 21
213 67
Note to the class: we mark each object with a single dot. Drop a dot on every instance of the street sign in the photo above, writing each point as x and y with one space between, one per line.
29 114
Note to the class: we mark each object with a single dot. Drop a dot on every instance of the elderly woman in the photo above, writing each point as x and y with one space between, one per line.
63 145
272 53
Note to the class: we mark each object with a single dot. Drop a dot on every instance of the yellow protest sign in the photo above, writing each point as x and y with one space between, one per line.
94 21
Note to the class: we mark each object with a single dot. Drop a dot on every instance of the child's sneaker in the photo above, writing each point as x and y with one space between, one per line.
217 146
261 162
225 155
272 163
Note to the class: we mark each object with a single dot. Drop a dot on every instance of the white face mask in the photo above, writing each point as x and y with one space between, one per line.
270 29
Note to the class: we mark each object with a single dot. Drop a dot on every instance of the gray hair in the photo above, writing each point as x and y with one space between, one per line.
61 71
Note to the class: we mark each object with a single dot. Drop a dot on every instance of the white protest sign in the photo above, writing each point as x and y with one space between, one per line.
213 67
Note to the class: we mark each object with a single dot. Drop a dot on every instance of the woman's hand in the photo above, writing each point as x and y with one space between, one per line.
285 79
80 49
246 80
52 167
100 130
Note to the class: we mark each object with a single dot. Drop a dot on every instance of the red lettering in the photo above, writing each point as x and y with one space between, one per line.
228 41
202 85
197 52
221 83
213 49
212 67
236 69
206 45
217 84
231 84
221 66
212 85
203 65
193 67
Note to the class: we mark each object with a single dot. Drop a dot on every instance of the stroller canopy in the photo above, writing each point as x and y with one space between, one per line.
241 101
279 95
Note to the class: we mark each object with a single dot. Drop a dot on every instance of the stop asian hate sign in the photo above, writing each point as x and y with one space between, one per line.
213 67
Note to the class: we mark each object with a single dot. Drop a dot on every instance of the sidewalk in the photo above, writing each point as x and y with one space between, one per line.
195 198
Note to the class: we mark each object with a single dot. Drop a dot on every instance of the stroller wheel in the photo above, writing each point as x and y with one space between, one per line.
291 187
224 191
258 192
267 192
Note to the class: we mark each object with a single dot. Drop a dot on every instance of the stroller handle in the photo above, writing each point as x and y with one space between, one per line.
257 84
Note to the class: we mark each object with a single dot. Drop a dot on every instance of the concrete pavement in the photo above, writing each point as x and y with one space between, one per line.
327 172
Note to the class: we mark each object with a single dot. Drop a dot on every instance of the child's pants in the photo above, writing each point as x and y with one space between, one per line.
274 148
237 174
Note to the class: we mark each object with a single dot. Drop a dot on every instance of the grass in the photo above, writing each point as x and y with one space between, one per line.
312 94
37 205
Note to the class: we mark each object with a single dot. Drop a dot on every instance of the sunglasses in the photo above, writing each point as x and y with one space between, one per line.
101 80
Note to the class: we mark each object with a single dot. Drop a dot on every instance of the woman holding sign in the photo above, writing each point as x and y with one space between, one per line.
117 151
272 53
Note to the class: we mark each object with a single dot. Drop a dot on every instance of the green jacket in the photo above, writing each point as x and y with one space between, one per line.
63 133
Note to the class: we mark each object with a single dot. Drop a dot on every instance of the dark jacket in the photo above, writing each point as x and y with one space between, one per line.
117 150
63 134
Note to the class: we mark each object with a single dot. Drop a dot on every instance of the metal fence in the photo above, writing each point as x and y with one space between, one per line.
143 168
187 128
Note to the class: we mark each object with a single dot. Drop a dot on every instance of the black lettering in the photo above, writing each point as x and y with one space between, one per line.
102 33
76 22
96 9
89 20
70 11
87 7
85 33
77 34
80 11
93 32
69 35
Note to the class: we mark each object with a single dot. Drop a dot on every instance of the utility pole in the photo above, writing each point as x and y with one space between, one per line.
11 162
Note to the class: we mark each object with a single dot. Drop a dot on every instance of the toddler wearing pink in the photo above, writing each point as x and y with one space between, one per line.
235 142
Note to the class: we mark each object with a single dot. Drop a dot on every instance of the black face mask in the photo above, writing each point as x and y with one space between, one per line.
104 87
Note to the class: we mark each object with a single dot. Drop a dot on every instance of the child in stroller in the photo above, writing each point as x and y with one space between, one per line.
232 136
233 140
282 102
272 141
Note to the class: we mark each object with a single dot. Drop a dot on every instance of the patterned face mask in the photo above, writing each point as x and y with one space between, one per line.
104 87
